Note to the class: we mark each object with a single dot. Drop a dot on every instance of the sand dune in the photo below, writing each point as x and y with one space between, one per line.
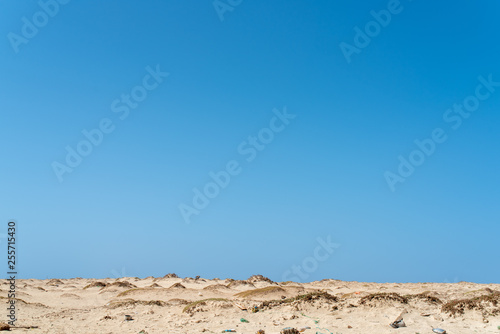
195 305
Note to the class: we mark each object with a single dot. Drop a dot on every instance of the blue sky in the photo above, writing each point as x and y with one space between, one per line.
322 176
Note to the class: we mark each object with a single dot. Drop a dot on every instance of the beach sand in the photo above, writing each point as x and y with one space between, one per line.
188 305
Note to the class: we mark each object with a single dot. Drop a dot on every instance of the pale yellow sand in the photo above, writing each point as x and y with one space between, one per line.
66 306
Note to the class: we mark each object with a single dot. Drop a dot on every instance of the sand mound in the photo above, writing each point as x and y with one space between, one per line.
263 292
20 301
259 278
177 286
488 304
171 275
216 287
287 283
237 283
133 302
295 289
329 280
205 305
97 284
382 299
477 293
117 286
310 298
22 294
55 282
212 306
124 284
134 291
167 276
426 297
197 279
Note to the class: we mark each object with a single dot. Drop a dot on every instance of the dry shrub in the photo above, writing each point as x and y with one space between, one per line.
383 297
123 284
481 303
259 278
491 291
426 297
177 286
171 275
290 331
97 284
133 302
307 298
236 283
195 306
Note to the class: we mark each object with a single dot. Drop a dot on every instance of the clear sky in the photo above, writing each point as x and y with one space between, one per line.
349 140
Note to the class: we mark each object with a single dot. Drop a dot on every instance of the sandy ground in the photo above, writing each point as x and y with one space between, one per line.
177 305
